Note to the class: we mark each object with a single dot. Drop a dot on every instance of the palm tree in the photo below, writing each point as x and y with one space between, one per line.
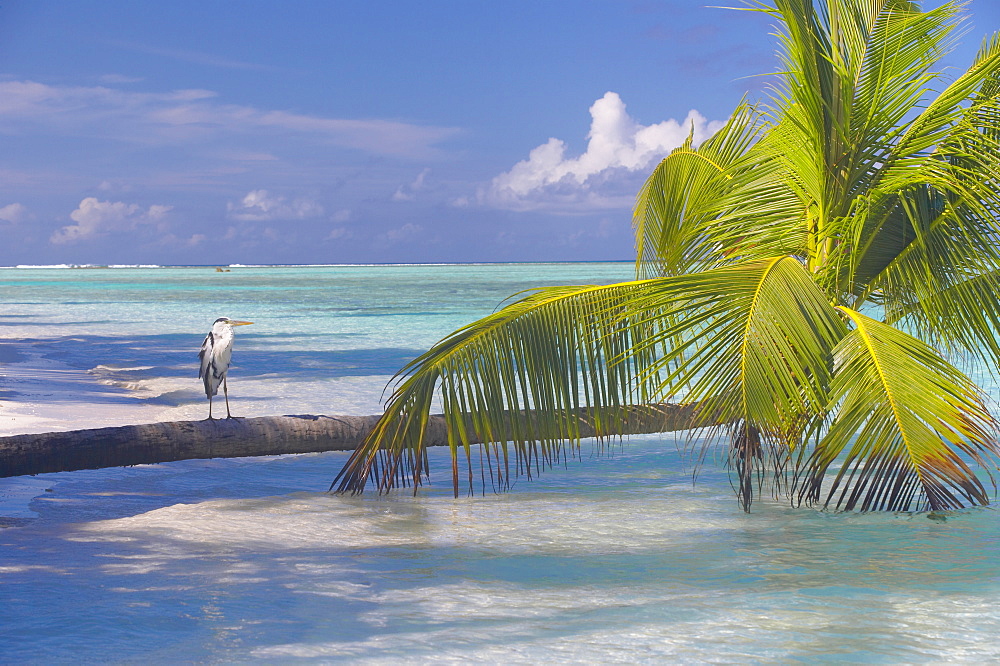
808 278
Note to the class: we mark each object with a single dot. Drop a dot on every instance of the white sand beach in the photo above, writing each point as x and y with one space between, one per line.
42 395
39 393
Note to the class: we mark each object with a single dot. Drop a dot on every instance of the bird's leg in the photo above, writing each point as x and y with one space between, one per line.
209 409
225 391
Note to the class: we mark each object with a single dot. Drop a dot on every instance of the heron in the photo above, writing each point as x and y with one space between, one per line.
216 353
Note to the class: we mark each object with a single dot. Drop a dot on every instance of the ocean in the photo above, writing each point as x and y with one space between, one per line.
618 557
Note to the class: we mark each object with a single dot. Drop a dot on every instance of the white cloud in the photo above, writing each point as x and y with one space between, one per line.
603 176
406 233
114 186
199 58
408 192
119 78
340 233
260 205
157 212
171 240
94 218
191 115
13 213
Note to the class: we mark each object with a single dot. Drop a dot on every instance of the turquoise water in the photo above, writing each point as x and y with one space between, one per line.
326 339
615 558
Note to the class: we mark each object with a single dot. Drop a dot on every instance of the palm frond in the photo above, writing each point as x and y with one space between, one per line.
852 135
524 375
750 340
680 200
916 423
893 76
941 231
751 345
962 318
748 344
933 125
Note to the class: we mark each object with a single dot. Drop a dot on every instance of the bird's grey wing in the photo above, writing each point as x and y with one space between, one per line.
205 355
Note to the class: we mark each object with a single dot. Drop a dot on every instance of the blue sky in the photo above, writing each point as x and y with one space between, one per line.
381 131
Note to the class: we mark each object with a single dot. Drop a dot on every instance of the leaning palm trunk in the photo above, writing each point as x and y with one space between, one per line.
807 276
167 441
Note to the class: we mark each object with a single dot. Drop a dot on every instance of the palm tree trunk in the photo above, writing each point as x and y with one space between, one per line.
233 438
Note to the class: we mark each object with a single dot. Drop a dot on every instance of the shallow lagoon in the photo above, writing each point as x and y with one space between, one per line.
612 558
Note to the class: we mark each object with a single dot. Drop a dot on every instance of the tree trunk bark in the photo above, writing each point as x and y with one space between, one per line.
233 438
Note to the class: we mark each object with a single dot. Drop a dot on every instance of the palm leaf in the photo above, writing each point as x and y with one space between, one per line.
751 345
681 198
853 139
962 318
524 375
916 422
757 357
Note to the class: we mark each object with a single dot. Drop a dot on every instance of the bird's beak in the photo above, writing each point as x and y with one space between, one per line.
240 323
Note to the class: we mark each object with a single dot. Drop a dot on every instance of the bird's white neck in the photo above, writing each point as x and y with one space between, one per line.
222 331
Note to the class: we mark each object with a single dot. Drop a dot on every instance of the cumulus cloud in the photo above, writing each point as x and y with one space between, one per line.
408 192
190 115
404 234
340 233
95 218
604 176
13 213
114 186
261 205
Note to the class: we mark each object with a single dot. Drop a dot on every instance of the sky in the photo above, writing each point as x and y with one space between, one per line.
209 133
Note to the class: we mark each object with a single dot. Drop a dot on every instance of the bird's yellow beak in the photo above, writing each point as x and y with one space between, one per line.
239 323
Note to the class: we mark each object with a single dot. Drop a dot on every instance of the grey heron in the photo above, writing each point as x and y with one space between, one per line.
216 353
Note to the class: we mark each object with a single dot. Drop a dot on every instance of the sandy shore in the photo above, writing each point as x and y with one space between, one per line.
39 394
74 382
